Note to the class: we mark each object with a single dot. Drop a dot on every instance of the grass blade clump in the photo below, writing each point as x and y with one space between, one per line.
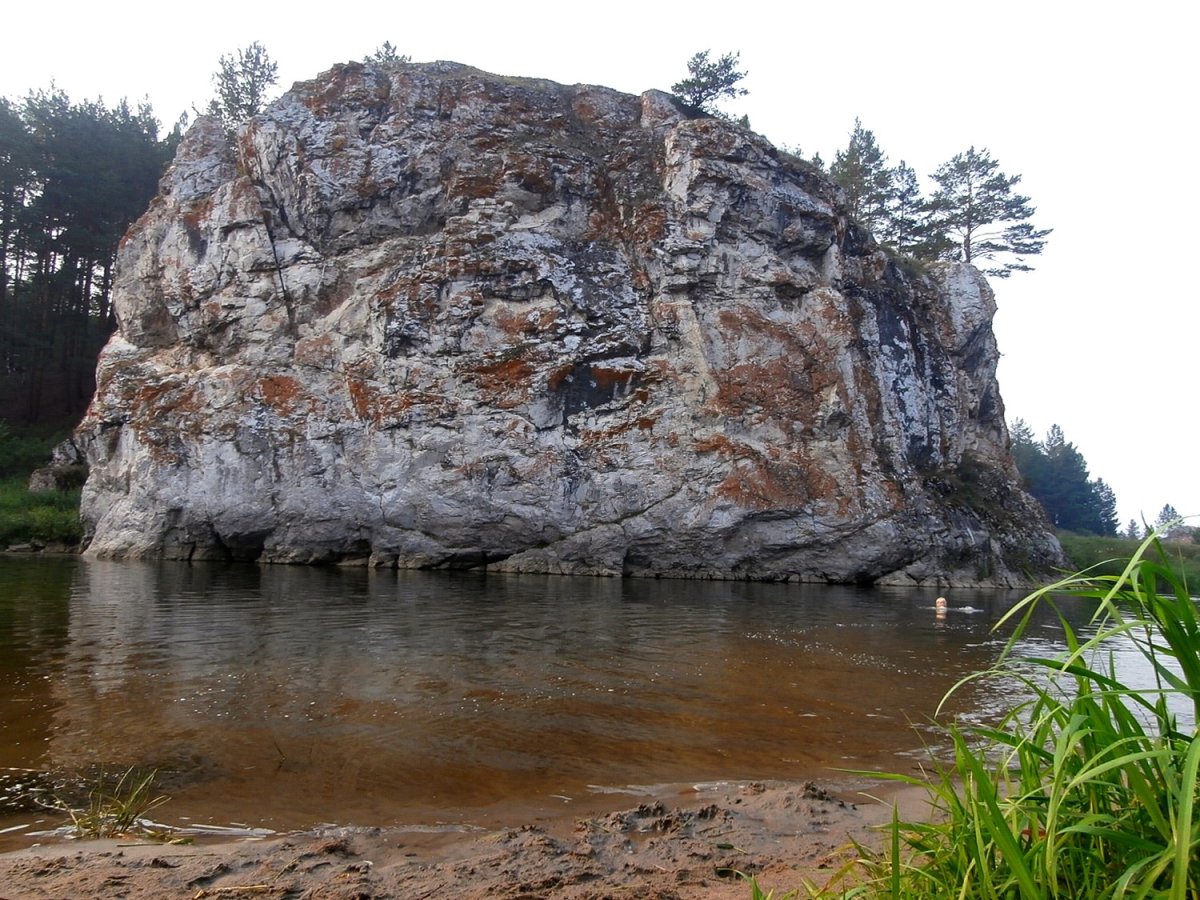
120 810
1089 787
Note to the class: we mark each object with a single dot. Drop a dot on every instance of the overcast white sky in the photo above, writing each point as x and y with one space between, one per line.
1094 104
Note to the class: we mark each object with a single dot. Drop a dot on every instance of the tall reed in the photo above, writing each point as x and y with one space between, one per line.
1087 789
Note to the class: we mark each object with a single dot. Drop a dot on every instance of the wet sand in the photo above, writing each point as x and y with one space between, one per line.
687 844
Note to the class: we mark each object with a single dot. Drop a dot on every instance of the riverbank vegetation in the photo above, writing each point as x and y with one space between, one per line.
34 518
116 808
1089 788
1107 555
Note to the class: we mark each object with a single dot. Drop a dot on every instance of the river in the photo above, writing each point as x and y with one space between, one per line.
285 697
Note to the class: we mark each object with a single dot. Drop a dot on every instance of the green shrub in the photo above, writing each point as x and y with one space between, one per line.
1108 555
22 452
45 517
1088 789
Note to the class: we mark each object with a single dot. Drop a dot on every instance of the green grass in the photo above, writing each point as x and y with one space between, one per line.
1108 555
117 809
45 517
1088 789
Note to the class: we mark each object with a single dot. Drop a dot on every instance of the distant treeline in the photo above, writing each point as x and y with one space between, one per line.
1056 474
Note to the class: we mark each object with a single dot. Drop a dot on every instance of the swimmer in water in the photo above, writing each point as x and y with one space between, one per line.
940 606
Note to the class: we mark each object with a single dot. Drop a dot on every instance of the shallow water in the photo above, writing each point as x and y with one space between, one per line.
285 697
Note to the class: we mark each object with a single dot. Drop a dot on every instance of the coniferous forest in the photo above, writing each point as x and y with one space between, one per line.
73 177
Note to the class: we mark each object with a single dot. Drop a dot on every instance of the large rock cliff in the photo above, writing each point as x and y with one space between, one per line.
426 316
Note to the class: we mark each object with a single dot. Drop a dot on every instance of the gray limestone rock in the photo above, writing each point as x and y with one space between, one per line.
420 315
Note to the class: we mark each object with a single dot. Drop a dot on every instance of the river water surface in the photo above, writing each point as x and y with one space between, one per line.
286 697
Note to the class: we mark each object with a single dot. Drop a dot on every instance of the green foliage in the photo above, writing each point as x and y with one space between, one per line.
386 54
980 217
709 81
117 810
22 451
1056 474
1088 789
73 177
1168 517
242 80
757 893
968 484
861 172
902 228
973 216
47 517
1105 555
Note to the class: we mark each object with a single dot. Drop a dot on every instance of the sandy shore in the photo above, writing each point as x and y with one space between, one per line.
671 847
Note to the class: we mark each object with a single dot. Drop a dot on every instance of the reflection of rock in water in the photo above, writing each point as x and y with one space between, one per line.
285 696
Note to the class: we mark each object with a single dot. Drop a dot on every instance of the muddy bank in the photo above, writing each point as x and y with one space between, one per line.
671 847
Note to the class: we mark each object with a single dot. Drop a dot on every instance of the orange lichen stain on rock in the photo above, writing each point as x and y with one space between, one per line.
346 79
776 387
363 398
153 214
522 323
284 394
608 378
763 484
473 184
656 370
650 224
505 382
373 404
530 173
794 338
196 212
718 443
559 376
618 428
639 278
584 110
243 204
163 412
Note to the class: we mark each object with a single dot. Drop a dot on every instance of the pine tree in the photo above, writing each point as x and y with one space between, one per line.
1105 507
708 82
17 185
1056 474
73 177
862 173
903 222
1167 517
386 54
980 217
242 82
